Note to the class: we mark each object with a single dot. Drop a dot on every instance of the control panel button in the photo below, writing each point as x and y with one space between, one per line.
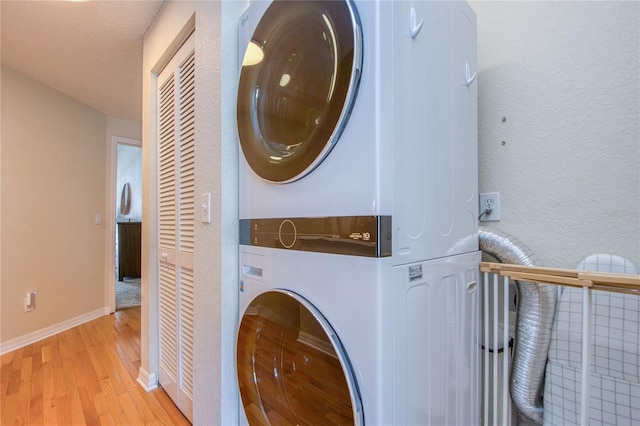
287 233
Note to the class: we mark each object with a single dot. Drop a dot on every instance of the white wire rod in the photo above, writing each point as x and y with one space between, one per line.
496 317
505 350
586 356
485 317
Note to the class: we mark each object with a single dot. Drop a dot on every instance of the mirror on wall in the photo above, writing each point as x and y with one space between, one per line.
125 199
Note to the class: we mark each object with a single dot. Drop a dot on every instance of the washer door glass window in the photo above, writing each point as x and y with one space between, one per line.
292 369
298 81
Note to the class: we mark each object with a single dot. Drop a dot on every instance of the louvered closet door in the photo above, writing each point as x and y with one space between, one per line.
176 109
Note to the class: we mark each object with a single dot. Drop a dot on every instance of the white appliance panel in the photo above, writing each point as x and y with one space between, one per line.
436 342
435 205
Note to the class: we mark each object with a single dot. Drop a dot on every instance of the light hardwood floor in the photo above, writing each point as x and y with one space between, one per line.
85 375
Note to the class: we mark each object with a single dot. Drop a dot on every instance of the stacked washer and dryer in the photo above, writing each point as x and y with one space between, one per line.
358 213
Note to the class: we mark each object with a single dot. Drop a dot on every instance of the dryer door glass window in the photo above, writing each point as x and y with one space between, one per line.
292 369
297 84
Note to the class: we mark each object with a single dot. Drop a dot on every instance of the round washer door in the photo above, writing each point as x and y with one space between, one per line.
292 368
297 85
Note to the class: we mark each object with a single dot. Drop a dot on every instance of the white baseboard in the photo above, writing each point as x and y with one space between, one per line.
148 381
27 339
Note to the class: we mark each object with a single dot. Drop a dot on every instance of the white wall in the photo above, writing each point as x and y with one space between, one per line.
215 259
129 170
123 128
565 75
53 184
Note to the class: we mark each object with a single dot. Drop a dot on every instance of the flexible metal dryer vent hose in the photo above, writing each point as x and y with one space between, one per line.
536 307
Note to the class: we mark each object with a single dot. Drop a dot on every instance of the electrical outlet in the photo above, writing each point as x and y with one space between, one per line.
490 207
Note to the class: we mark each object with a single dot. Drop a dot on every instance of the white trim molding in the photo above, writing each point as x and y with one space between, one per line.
27 339
148 381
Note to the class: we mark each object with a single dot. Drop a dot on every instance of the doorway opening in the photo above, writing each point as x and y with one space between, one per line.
127 214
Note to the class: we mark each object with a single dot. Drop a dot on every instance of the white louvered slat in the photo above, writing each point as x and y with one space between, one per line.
186 331
187 158
167 175
168 326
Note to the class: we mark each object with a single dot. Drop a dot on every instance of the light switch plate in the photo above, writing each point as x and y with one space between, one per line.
205 208
29 301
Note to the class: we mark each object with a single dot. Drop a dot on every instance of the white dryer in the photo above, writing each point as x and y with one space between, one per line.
358 213
362 109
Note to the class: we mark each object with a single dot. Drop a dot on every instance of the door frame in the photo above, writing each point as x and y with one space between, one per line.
110 219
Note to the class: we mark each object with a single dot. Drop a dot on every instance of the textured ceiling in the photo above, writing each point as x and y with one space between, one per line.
91 51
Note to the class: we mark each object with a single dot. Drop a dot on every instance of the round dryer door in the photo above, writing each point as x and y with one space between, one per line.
298 81
292 369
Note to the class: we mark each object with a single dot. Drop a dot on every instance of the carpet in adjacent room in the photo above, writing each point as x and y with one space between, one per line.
127 293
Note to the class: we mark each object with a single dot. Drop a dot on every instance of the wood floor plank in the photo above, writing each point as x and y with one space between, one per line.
175 417
7 358
130 409
26 370
59 386
101 405
98 368
132 366
89 411
45 354
144 411
56 356
160 410
73 395
107 420
126 379
9 409
63 345
48 394
114 378
63 412
37 387
5 374
85 375
22 412
16 363
115 408
13 386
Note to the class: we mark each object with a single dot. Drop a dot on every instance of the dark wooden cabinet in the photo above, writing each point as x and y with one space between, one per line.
129 249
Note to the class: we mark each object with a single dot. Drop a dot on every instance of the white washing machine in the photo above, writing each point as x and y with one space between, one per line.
358 213
338 339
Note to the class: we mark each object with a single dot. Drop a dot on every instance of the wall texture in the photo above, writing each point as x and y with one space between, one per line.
123 128
53 184
216 254
566 161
